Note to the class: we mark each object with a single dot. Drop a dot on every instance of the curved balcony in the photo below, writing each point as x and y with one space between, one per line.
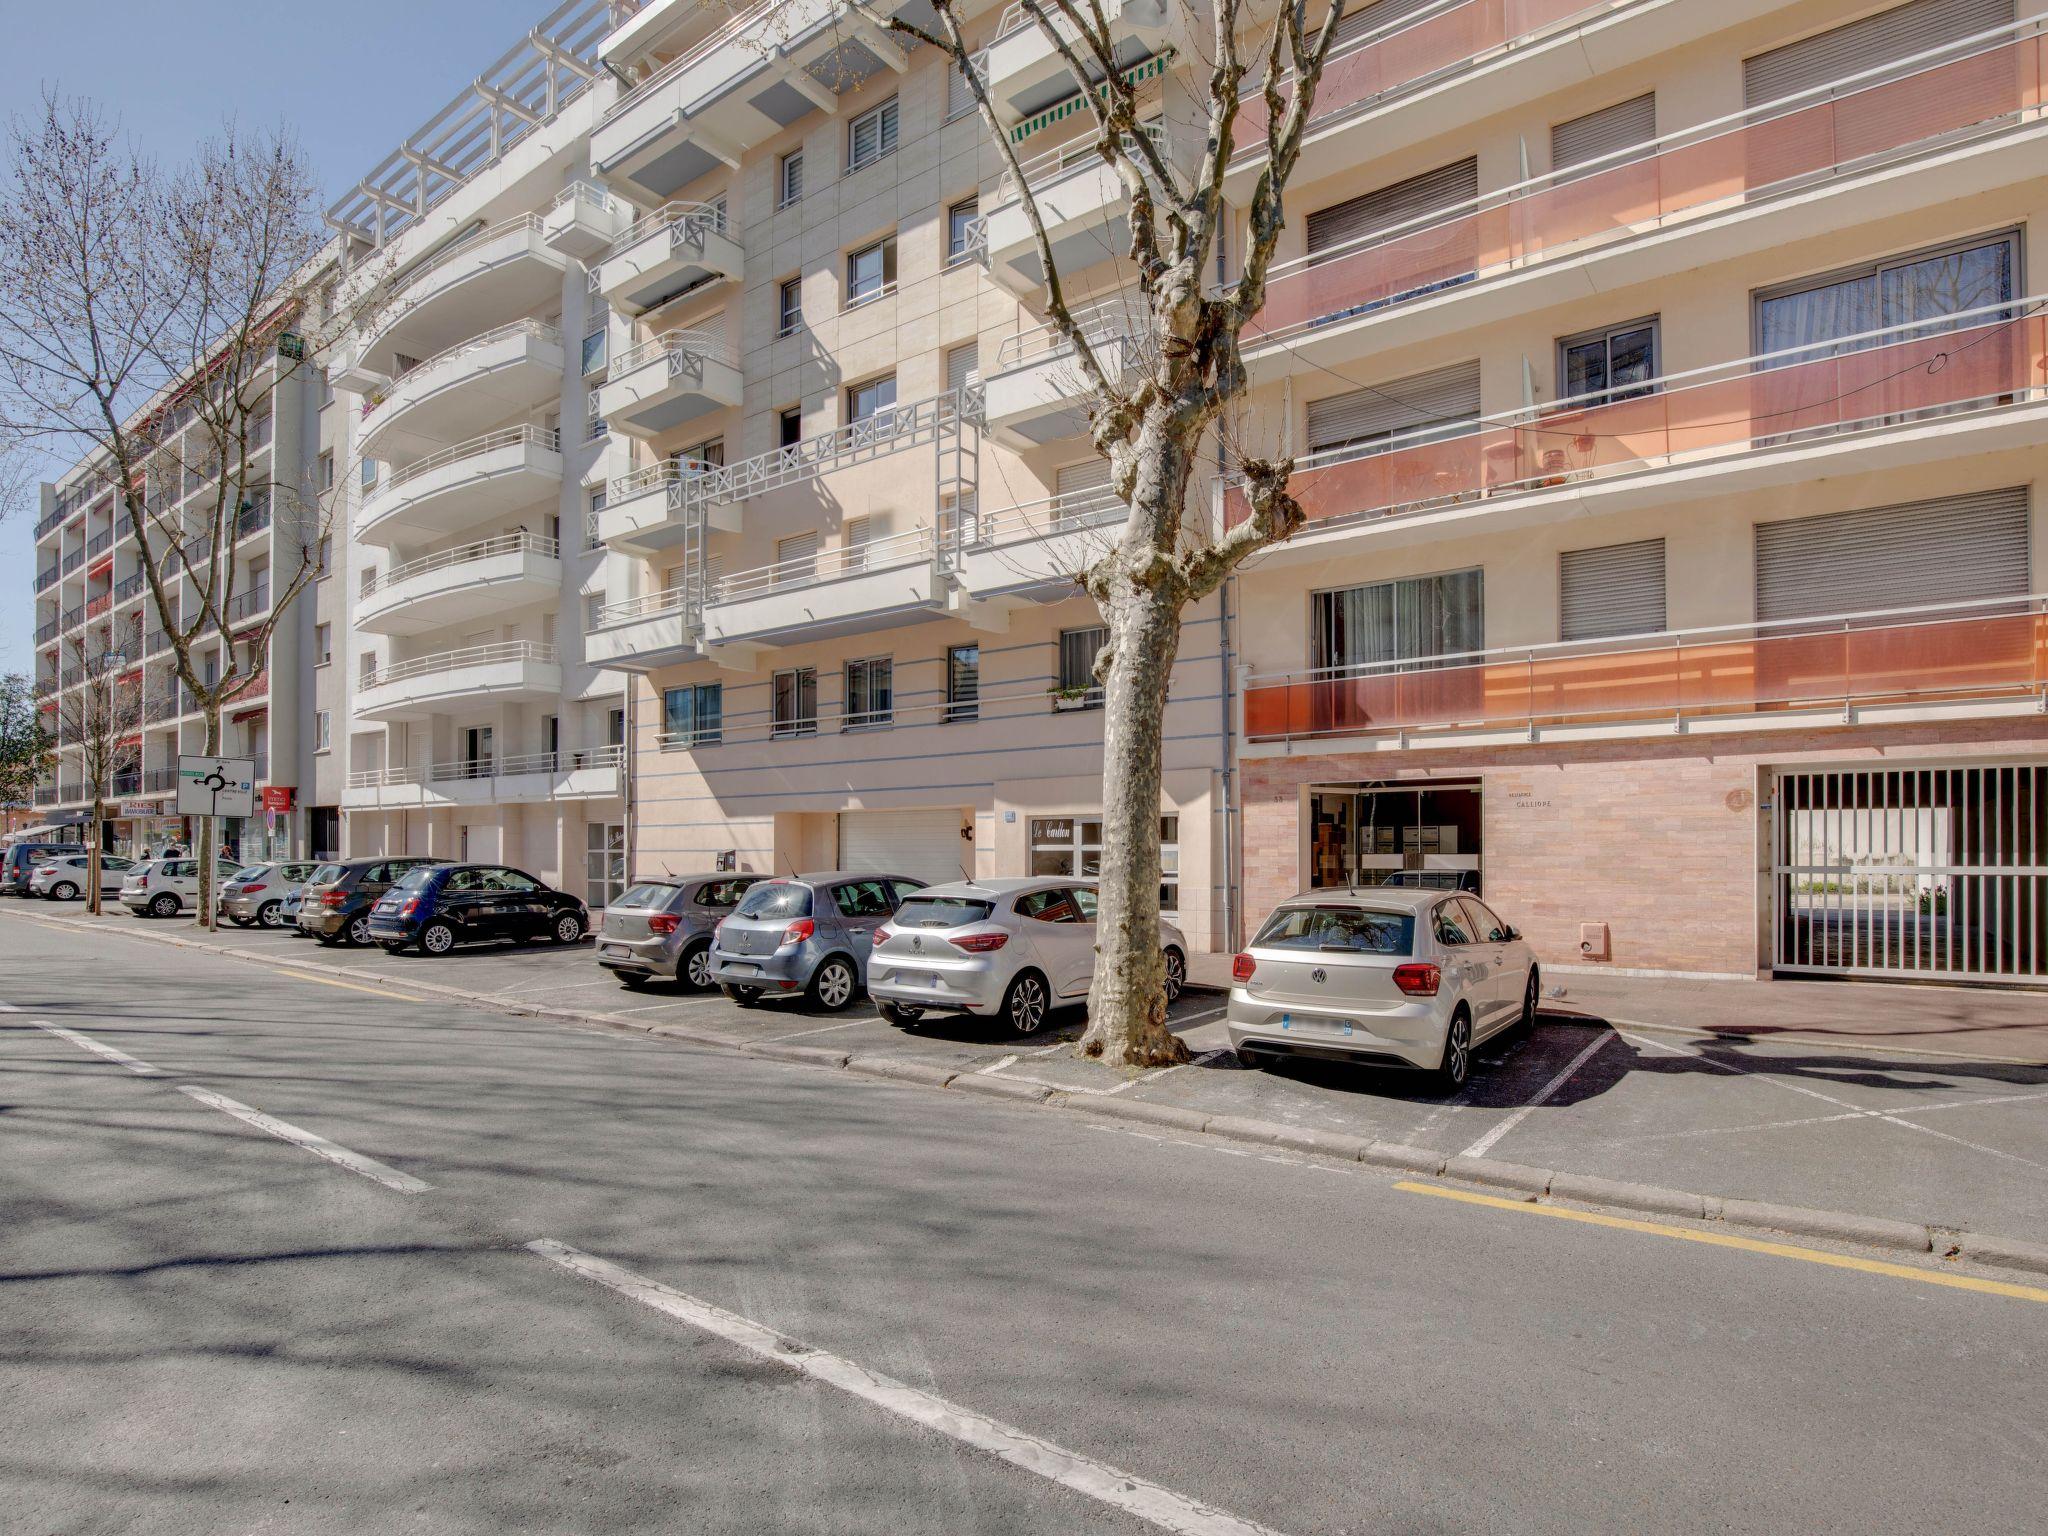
1026 73
496 474
846 591
644 632
507 269
510 671
675 378
454 586
596 773
458 394
678 246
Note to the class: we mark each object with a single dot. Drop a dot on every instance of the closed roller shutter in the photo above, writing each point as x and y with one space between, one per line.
1431 192
1950 550
1079 479
961 363
1376 15
1625 125
1616 589
959 94
1875 40
924 844
1445 397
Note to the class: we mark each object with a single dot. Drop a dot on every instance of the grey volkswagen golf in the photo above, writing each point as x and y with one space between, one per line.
662 928
809 934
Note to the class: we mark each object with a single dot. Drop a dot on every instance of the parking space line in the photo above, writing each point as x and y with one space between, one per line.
311 1141
87 1043
1097 1480
825 1030
1729 1240
1485 1143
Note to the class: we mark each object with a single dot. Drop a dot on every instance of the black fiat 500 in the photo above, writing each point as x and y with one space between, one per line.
440 906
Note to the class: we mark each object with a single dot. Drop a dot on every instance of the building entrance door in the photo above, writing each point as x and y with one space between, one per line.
1395 834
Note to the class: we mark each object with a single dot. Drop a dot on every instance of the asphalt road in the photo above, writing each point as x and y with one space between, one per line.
209 1328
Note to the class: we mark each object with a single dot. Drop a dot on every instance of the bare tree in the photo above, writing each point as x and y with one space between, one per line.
1151 412
100 713
25 744
153 324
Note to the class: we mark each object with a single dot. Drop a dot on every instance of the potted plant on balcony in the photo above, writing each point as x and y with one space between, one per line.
1069 698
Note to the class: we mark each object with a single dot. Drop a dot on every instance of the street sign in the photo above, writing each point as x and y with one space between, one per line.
216 786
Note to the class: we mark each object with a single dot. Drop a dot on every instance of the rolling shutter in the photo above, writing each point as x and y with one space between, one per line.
1081 479
1625 125
1616 589
961 362
797 550
923 844
1875 40
1376 14
1441 398
959 94
1431 192
1949 550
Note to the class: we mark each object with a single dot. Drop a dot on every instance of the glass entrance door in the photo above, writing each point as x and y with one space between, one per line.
1395 834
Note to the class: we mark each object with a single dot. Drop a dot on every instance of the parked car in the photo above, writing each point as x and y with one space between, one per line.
438 906
64 877
166 887
1382 977
288 911
21 859
1011 949
335 905
809 934
662 928
257 893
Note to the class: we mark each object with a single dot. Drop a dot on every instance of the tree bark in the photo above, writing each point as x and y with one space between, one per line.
92 856
209 837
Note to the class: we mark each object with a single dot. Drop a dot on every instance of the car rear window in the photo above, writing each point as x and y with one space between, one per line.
776 898
1339 928
646 894
327 874
416 878
942 912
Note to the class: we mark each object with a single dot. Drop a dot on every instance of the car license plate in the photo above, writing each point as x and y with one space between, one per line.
1338 1027
611 949
744 969
914 979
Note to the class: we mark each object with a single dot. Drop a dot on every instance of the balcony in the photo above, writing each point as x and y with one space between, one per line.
1036 394
1036 552
847 591
510 671
641 633
642 512
1932 662
1082 203
455 586
584 221
452 397
1939 389
507 269
675 378
1026 73
594 774
500 473
679 246
246 605
48 577
1948 123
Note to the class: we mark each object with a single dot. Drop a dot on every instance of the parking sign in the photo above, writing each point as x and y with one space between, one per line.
216 786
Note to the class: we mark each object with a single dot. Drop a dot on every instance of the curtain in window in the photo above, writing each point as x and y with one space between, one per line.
1411 620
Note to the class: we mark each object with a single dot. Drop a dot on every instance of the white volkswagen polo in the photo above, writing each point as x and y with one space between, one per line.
1382 977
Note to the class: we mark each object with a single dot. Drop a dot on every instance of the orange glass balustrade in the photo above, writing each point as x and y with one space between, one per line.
1968 651
1779 147
1884 382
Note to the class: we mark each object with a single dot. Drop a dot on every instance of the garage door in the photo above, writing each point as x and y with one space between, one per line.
926 844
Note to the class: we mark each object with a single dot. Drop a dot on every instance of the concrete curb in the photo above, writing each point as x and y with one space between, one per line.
1531 1184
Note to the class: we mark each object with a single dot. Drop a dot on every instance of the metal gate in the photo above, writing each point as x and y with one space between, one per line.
1930 874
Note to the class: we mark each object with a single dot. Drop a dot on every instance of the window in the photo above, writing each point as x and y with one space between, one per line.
789 427
796 702
871 136
1600 367
960 91
323 731
963 682
1923 286
1071 846
871 271
870 693
1614 589
789 307
323 644
864 898
865 402
960 230
1452 925
604 862
1425 407
1345 928
1078 650
789 179
1048 907
594 348
366 666
720 895
591 537
1627 125
327 471
593 610
1415 619
369 473
962 362
692 716
796 558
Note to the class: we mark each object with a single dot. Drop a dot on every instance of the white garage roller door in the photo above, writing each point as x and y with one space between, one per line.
926 844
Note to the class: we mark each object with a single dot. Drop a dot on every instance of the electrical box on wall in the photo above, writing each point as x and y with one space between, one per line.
1593 941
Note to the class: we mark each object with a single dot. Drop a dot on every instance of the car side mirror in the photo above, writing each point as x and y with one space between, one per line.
1509 935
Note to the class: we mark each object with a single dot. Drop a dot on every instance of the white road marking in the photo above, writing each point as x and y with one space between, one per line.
1098 1480
8 1008
996 1066
87 1043
1485 1143
1198 1018
824 1029
318 1145
620 1013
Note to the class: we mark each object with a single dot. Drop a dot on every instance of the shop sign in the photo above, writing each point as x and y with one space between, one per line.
277 797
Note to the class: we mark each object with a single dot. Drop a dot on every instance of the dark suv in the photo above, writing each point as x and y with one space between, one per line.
20 862
336 906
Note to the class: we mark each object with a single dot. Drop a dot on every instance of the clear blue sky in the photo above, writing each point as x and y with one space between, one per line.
352 81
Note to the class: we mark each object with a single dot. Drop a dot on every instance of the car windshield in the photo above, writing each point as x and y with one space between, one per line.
648 893
942 912
776 898
326 874
416 879
1339 928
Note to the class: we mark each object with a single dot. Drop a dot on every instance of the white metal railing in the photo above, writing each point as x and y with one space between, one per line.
911 547
1120 315
547 438
441 360
463 554
590 194
411 282
650 605
1043 169
690 222
738 24
457 660
464 769
680 347
1049 517
887 431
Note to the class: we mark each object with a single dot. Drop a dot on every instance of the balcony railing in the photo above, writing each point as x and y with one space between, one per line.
507 651
549 439
650 605
465 769
887 431
446 359
410 282
1048 166
156 780
1877 380
463 554
74 560
99 543
1119 315
48 577
51 520
736 26
684 349
47 630
99 605
46 794
73 617
129 586
1051 517
1992 649
906 548
1850 126
588 193
246 604
688 223
126 784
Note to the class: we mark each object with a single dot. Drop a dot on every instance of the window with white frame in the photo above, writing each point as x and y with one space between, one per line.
871 136
323 731
960 230
789 306
871 271
872 399
789 179
1078 650
323 644
870 693
1070 847
795 702
327 471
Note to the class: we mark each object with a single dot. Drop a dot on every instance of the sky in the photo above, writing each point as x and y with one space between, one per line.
351 80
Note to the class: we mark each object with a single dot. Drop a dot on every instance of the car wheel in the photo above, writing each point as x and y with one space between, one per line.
833 984
359 929
746 997
568 928
1527 1022
632 981
1176 975
1025 1004
63 890
239 922
694 970
902 1015
165 905
270 914
437 938
1457 1062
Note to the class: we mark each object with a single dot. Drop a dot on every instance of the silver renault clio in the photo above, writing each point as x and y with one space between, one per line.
810 934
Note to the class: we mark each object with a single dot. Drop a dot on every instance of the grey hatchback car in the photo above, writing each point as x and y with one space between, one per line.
810 934
662 928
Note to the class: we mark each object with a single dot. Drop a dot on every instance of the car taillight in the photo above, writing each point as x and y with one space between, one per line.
412 905
250 890
142 882
1241 968
664 923
980 943
882 936
798 931
1418 980
334 901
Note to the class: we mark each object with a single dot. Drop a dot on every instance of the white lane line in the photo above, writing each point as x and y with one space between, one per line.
822 1030
1485 1143
1098 1480
8 1008
1198 1018
996 1066
318 1145
87 1043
